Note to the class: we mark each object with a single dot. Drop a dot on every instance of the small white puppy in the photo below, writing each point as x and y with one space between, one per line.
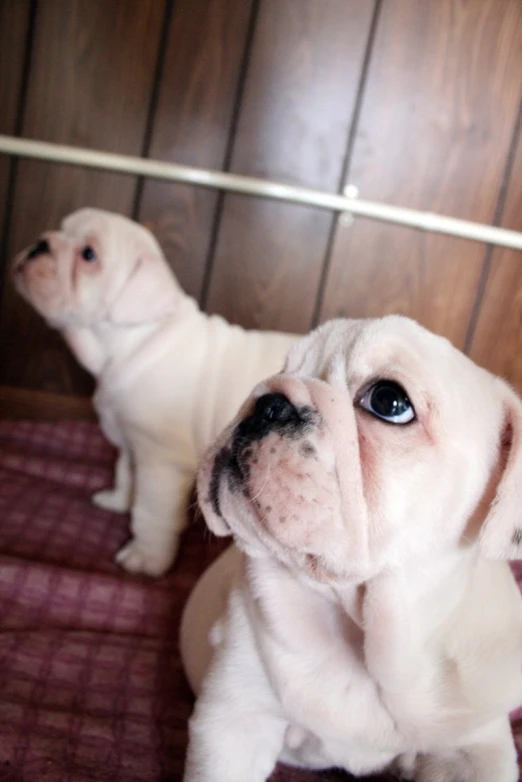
364 622
168 376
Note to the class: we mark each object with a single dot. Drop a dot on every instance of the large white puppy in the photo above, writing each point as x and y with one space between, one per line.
370 489
168 376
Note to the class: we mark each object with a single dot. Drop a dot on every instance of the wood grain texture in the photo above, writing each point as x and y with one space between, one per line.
199 83
91 76
14 23
439 109
19 403
293 127
497 339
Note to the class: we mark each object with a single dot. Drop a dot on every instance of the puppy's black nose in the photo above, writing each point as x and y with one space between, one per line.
274 408
271 411
40 248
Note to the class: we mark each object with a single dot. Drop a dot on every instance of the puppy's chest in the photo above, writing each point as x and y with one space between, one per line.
324 688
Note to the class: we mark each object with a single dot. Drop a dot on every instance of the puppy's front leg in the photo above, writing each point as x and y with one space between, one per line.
158 515
118 498
224 748
237 730
489 755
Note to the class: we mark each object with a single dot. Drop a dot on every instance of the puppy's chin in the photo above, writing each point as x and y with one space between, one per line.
42 298
232 496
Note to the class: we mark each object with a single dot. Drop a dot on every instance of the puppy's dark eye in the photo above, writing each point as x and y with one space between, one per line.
88 254
388 401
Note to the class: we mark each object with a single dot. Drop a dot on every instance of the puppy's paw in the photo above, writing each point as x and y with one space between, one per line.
137 558
111 499
476 764
404 767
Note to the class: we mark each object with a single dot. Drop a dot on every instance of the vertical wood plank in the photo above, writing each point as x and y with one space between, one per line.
92 71
441 100
205 48
293 126
14 26
496 342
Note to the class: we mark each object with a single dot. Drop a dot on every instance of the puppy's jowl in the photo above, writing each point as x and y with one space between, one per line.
366 618
163 369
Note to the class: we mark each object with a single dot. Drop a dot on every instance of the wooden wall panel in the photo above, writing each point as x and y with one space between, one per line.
14 25
496 342
199 84
294 123
436 123
276 89
92 71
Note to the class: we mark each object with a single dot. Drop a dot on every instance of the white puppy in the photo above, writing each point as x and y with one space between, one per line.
370 489
168 376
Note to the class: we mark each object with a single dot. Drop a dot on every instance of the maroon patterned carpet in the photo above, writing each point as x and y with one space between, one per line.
91 685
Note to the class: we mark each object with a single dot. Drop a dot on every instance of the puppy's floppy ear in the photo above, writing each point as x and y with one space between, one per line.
150 293
501 533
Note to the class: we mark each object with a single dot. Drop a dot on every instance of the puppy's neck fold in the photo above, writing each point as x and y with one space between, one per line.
103 344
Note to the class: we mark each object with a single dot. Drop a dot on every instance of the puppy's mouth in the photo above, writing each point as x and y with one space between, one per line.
273 413
280 480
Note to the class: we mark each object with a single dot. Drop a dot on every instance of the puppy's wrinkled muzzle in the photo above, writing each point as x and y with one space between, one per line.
269 411
279 408
272 478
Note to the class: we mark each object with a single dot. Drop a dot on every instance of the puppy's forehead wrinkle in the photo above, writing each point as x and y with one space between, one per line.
94 224
425 375
311 354
342 351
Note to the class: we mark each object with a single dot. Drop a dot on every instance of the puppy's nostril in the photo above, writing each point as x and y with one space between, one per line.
40 248
274 408
271 411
